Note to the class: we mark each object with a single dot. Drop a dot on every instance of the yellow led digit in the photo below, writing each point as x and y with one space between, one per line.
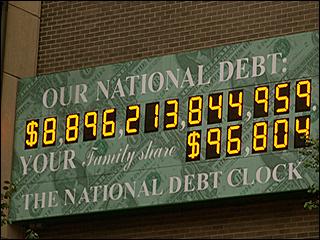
156 119
173 114
130 120
90 126
303 130
216 107
108 123
257 146
303 96
234 139
49 132
282 98
72 128
235 105
195 111
93 124
151 122
32 134
193 145
281 136
218 138
264 100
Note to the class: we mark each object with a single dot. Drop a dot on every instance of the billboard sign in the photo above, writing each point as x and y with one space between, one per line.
200 125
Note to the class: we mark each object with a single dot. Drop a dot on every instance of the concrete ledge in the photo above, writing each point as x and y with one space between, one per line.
33 7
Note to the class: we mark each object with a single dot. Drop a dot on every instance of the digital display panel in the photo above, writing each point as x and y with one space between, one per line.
195 107
166 130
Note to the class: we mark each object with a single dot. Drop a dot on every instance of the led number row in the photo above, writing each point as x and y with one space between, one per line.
261 103
171 113
108 128
259 138
282 98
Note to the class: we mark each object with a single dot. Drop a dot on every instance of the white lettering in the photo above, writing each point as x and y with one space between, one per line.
131 78
174 79
37 200
104 90
24 164
52 198
200 76
189 79
274 61
178 181
188 183
69 160
258 174
241 68
230 176
255 66
118 86
230 71
150 82
44 165
26 206
84 99
294 171
274 173
45 96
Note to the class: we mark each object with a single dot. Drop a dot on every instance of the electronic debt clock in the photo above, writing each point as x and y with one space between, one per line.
212 104
208 124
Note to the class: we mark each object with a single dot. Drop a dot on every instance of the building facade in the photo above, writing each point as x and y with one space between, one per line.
59 36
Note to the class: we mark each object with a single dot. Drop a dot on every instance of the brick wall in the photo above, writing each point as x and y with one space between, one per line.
272 219
83 34
75 35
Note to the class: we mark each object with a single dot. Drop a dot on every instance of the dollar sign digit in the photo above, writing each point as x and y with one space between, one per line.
195 146
32 133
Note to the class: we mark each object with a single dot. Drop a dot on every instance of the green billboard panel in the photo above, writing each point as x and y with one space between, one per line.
200 125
